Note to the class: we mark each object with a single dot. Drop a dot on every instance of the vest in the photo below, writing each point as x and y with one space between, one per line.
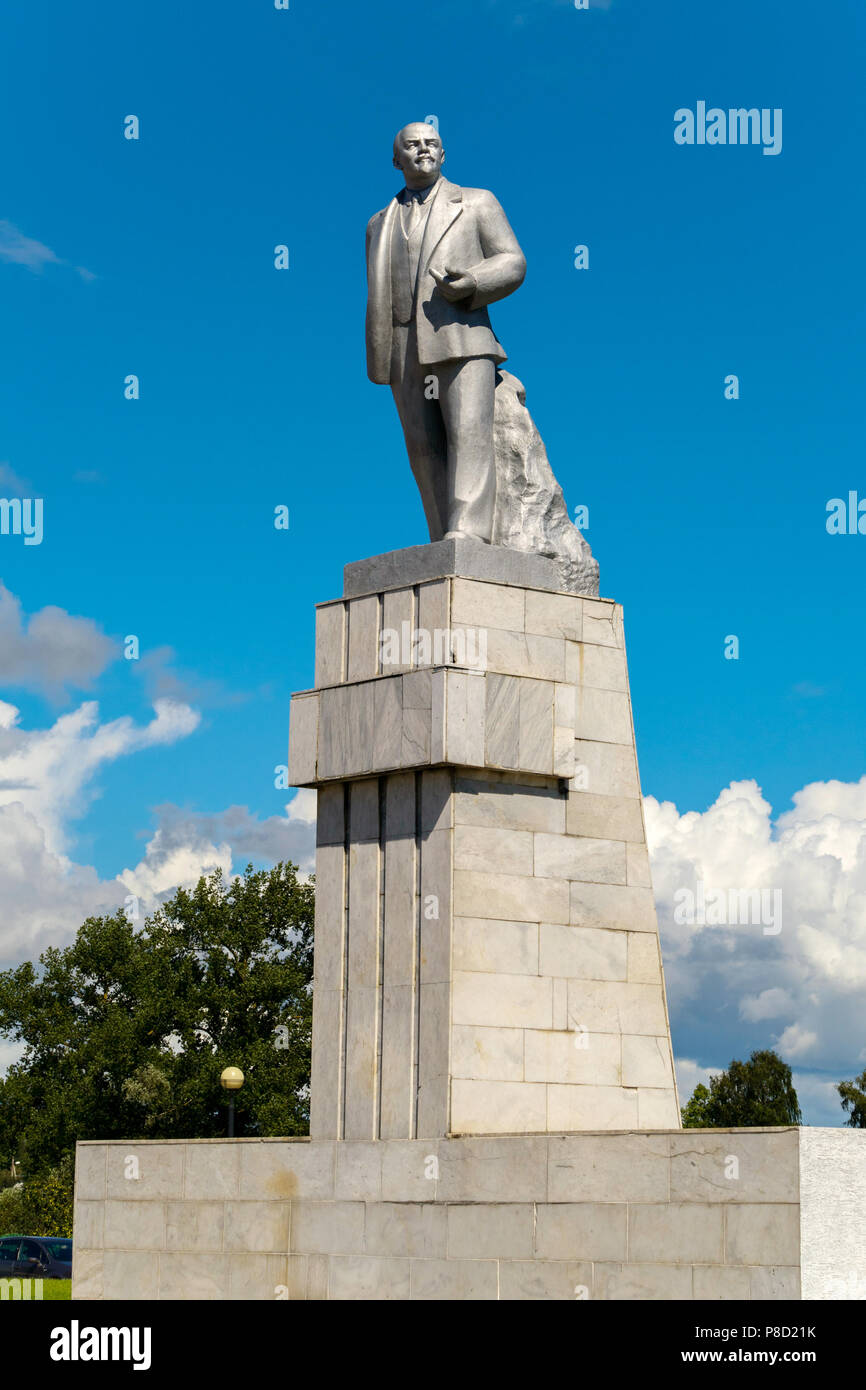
405 255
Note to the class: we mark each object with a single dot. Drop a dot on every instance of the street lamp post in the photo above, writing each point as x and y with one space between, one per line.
231 1080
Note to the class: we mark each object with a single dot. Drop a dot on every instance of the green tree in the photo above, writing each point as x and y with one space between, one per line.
46 1203
12 1212
853 1095
694 1112
126 1031
758 1092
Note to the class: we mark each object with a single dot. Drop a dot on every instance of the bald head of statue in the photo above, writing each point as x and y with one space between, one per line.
418 154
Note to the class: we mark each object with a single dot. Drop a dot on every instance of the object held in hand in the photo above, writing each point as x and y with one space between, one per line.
454 284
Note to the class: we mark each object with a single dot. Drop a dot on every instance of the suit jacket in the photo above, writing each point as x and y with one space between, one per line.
467 230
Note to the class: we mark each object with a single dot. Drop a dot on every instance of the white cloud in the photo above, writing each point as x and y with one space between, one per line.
51 650
770 1003
49 772
165 868
18 249
9 715
48 777
795 1042
303 806
690 1075
189 843
46 781
735 988
45 896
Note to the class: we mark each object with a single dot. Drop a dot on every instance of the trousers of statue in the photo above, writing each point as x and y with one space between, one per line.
446 410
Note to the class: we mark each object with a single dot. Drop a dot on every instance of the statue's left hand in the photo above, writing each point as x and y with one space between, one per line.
454 284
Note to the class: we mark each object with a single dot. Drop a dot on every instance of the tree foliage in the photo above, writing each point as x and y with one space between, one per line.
12 1212
853 1096
694 1112
758 1092
41 1206
126 1031
46 1203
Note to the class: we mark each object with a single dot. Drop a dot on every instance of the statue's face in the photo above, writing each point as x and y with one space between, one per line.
419 154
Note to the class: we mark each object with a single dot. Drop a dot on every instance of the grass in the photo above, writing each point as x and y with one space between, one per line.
54 1289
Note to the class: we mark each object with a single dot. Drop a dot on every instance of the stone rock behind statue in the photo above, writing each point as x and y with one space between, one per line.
530 513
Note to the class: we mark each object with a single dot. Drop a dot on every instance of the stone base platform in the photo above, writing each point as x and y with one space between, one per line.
459 557
682 1215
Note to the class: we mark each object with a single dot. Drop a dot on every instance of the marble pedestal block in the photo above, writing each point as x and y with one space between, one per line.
685 1215
487 956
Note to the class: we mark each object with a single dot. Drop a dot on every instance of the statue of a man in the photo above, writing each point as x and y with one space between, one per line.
437 255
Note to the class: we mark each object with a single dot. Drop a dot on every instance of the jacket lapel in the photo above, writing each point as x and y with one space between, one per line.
380 248
447 207
379 333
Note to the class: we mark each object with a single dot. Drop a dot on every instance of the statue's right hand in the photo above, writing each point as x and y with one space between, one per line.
454 285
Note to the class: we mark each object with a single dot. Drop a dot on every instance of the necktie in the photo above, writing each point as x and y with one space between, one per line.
413 213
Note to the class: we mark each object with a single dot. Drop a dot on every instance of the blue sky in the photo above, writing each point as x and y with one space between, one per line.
707 516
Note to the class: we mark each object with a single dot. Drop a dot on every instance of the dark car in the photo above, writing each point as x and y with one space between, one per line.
39 1257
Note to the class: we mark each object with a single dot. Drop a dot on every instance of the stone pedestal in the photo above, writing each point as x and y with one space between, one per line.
487 956
494 1113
